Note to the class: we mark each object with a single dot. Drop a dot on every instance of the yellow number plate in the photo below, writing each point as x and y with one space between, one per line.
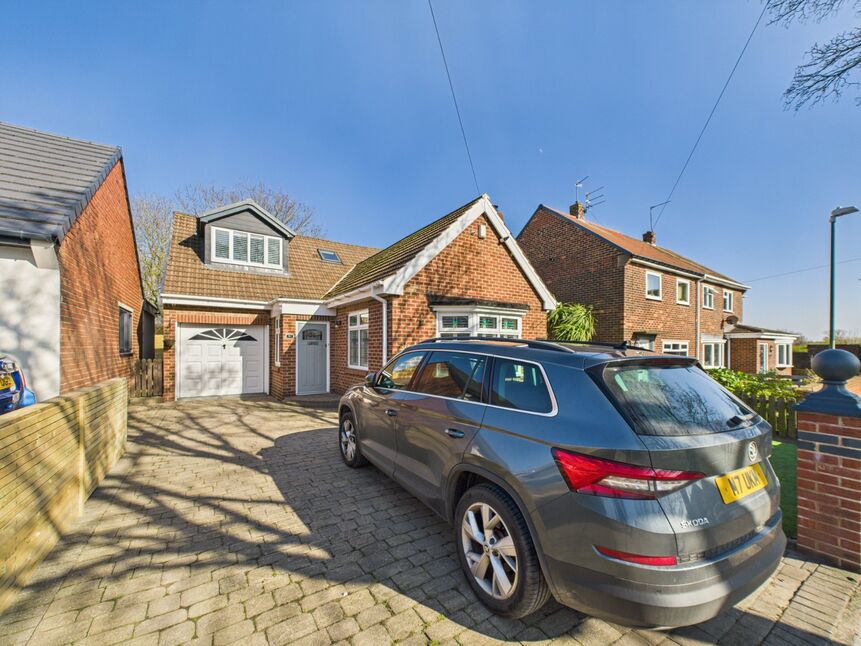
6 382
740 483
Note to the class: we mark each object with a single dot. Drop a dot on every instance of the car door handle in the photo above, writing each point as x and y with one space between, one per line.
391 412
454 433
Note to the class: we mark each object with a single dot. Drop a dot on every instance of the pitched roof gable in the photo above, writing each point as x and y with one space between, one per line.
47 180
639 248
252 207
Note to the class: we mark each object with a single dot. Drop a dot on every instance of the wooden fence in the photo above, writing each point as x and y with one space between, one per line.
52 456
147 378
777 411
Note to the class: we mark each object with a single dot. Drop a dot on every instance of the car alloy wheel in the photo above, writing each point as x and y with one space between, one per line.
489 550
348 439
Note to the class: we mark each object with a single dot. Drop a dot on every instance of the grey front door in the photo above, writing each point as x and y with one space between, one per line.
312 351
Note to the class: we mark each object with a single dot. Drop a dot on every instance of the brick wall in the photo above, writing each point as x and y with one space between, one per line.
829 487
57 452
98 270
578 267
744 356
343 377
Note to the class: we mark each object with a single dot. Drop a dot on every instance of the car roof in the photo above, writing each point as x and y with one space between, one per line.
575 354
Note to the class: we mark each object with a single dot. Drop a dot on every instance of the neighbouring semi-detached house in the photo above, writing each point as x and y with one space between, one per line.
252 307
648 295
72 310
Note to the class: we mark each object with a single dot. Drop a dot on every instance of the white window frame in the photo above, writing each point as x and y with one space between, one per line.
680 281
247 263
707 289
358 327
728 293
336 260
717 354
474 316
675 351
649 340
277 341
660 278
760 367
777 347
130 311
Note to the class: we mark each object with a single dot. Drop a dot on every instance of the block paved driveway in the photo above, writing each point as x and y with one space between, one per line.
234 520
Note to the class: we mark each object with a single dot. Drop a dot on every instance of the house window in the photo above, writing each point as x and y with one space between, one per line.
762 350
679 348
683 291
277 342
328 256
481 323
727 301
242 248
653 286
708 297
357 340
784 355
125 329
645 341
712 355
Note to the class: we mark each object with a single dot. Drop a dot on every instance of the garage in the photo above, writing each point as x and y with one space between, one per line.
221 360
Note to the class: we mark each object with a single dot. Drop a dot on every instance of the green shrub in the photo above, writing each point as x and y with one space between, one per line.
766 385
571 322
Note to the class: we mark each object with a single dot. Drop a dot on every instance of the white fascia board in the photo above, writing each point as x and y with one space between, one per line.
711 338
300 306
209 301
44 254
765 336
360 294
481 309
725 282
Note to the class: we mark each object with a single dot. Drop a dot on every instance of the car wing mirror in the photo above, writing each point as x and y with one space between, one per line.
371 379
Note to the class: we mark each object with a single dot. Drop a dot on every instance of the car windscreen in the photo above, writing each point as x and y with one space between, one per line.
674 400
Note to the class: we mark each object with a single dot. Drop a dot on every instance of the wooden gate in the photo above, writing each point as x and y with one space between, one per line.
147 378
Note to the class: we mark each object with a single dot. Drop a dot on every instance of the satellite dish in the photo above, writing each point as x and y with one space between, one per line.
732 319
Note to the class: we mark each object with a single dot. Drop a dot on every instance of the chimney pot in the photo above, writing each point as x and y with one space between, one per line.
649 236
577 210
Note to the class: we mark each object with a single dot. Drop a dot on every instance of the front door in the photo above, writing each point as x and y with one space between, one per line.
763 357
312 351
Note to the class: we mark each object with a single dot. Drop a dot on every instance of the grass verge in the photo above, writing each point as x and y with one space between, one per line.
783 462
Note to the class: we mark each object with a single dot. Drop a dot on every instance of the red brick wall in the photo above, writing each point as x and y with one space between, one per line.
172 316
744 356
98 270
829 488
343 377
578 267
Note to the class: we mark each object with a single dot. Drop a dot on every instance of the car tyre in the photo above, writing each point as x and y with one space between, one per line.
502 552
348 442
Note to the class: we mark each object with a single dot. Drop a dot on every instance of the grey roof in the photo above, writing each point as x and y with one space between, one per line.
247 205
47 180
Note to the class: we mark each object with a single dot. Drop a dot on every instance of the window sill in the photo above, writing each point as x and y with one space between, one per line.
685 303
654 298
705 307
728 311
363 368
126 354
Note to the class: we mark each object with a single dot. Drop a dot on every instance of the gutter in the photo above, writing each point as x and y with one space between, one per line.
385 305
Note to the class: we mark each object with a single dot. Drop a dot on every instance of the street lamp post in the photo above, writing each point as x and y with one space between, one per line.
836 213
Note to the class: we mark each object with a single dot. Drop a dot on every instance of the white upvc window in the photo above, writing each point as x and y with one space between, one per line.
683 291
727 300
712 355
277 341
243 248
653 286
460 322
679 348
357 340
784 355
708 297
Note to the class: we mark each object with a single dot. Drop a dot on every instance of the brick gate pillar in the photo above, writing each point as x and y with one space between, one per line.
829 464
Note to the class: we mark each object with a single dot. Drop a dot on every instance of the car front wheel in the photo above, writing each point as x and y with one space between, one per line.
497 554
348 442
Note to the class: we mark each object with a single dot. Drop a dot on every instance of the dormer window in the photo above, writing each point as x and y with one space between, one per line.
244 248
326 255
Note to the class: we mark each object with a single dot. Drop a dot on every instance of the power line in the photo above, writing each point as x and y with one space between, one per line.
801 271
454 98
711 114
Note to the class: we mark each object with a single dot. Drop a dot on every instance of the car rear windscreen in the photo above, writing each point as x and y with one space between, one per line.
674 400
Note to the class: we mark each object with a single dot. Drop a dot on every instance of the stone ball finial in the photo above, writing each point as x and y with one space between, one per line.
835 365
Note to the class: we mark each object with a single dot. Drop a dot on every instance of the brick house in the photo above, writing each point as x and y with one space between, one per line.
252 307
72 310
648 295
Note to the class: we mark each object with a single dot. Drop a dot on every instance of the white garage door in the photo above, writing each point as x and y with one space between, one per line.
216 360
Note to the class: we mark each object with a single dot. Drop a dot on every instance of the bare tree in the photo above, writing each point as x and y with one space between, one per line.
829 66
153 217
202 197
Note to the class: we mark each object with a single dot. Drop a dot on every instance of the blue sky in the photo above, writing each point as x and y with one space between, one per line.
346 106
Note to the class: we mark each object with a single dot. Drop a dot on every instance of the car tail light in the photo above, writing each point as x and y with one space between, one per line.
599 477
637 558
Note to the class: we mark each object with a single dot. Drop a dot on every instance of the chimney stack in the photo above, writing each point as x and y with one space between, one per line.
577 210
649 236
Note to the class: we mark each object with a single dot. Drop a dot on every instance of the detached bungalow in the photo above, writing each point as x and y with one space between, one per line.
252 307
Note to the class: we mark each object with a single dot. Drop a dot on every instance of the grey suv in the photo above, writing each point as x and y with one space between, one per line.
629 485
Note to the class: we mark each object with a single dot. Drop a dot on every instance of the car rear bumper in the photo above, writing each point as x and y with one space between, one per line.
690 593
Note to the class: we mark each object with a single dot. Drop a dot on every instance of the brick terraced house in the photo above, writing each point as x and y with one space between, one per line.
72 310
648 295
252 307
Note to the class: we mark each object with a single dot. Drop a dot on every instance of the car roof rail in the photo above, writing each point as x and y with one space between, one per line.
538 344
608 344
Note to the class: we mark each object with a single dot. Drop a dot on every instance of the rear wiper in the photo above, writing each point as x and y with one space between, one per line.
738 420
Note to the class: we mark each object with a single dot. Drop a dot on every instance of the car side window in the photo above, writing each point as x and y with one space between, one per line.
399 372
520 386
453 374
